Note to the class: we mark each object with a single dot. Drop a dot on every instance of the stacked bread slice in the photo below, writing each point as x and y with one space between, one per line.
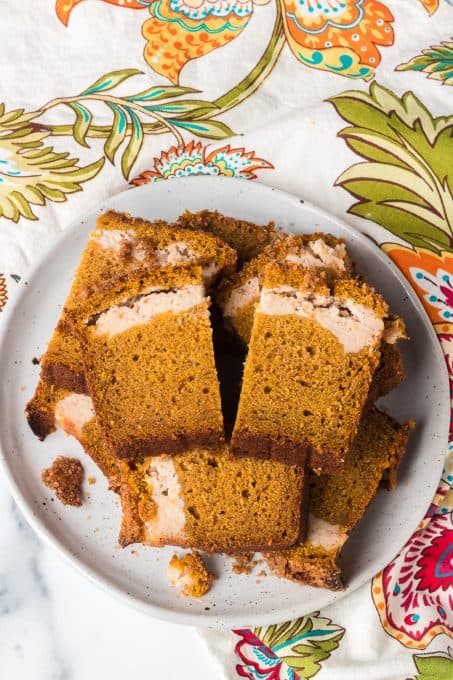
148 409
141 370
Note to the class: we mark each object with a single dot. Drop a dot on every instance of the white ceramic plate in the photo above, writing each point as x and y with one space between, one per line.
87 536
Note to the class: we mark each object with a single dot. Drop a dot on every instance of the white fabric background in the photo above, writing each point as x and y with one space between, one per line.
287 122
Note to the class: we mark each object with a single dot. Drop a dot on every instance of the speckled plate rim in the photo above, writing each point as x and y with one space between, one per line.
210 619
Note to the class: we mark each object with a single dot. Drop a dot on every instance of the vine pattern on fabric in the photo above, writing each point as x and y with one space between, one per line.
340 36
32 173
413 594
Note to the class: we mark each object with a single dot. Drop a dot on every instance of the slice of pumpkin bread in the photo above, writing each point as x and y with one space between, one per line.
247 239
74 414
119 245
388 375
201 498
339 501
213 501
40 410
314 348
239 294
149 363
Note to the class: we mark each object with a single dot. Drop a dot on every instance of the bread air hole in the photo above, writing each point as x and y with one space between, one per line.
194 512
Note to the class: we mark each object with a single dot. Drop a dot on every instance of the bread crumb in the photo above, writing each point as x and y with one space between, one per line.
91 480
65 477
243 562
263 572
190 574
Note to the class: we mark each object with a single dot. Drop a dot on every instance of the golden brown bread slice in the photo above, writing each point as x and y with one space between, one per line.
314 348
339 501
149 363
119 245
207 499
247 239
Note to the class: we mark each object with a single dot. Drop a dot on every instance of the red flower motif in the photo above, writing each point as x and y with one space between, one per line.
258 660
436 564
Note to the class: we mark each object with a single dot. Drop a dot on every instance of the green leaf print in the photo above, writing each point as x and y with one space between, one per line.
211 129
110 80
436 61
82 122
302 644
135 144
131 115
117 133
405 182
32 173
161 92
434 666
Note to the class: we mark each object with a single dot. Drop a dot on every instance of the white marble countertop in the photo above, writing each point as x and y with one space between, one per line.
56 625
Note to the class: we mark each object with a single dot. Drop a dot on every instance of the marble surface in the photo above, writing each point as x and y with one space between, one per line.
56 625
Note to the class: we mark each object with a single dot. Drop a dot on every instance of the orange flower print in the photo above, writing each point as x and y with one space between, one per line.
430 275
196 159
181 30
338 36
431 6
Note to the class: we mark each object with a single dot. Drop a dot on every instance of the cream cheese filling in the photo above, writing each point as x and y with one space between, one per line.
114 239
324 534
73 412
319 254
165 490
178 579
120 318
395 330
178 252
315 254
355 325
240 297
209 271
175 253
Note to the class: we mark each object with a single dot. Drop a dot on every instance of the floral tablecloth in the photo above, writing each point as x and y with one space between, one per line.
347 103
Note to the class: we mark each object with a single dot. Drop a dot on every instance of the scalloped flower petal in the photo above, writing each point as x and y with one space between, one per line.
197 159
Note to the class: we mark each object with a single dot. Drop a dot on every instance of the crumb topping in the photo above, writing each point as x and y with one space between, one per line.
243 563
65 477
